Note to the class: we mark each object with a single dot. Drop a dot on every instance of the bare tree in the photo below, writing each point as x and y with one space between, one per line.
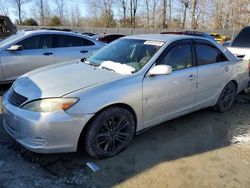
170 12
41 6
18 5
47 11
133 11
75 16
155 3
123 4
138 13
104 8
194 3
4 9
60 4
185 4
164 12
148 13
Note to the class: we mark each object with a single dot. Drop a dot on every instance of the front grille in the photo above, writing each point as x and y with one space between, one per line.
16 99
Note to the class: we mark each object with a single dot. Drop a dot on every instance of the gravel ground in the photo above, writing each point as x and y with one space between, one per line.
202 149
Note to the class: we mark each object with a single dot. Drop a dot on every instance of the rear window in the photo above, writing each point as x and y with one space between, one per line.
62 41
242 39
208 54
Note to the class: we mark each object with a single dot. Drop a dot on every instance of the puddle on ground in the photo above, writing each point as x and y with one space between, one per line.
240 135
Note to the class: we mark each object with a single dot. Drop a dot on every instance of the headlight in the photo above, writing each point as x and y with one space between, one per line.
50 104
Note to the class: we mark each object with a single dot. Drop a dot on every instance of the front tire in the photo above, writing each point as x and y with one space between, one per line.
226 98
110 132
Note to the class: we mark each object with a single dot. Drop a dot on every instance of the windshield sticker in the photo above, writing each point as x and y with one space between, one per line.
155 43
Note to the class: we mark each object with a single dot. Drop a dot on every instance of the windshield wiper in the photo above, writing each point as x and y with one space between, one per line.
84 60
108 69
117 67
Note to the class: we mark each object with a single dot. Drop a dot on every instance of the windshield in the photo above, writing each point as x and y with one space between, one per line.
242 39
11 38
125 55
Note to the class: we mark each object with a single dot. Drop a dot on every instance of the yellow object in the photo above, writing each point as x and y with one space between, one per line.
220 38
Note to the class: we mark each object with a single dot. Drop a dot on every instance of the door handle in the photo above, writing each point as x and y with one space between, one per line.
227 68
191 77
84 51
48 53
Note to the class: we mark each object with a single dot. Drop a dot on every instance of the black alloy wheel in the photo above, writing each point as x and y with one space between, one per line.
226 98
110 132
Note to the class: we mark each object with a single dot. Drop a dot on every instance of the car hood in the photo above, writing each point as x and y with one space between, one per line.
57 81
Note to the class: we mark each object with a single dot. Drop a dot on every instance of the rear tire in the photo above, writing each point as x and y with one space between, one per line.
110 132
226 98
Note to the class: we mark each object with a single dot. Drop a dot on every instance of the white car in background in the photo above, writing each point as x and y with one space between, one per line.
240 46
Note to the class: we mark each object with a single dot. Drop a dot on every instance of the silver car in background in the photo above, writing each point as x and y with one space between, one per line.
129 85
29 50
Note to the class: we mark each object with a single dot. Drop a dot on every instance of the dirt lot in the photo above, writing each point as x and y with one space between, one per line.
202 149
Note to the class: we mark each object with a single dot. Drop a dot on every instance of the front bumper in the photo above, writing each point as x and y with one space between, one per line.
43 132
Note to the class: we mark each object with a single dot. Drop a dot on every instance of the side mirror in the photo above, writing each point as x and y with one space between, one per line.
15 48
160 70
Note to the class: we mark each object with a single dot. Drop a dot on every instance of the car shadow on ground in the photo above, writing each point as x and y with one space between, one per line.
186 136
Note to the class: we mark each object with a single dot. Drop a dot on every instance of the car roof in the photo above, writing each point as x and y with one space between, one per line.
47 31
4 17
161 37
106 35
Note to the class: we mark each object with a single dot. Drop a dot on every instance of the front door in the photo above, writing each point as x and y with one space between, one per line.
168 96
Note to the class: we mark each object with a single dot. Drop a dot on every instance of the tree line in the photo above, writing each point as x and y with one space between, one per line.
150 14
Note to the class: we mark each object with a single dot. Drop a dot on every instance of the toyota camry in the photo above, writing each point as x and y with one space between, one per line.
132 84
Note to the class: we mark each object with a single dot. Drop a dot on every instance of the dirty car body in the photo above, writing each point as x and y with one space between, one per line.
162 78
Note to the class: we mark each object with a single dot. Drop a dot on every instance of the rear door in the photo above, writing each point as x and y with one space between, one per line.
36 53
213 72
69 47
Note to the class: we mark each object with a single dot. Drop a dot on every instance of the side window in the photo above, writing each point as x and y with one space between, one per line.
36 42
208 54
179 57
64 41
86 42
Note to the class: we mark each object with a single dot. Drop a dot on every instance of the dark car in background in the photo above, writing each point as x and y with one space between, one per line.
6 27
190 33
107 38
89 34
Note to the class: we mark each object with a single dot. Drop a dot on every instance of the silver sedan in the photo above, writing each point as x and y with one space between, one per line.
129 85
29 50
